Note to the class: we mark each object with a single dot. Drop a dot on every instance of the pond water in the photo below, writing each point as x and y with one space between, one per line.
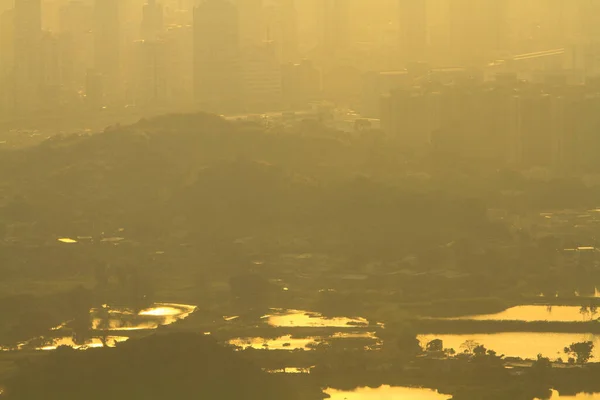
299 318
386 393
122 319
289 370
526 345
288 342
538 313
581 396
280 343
113 320
53 343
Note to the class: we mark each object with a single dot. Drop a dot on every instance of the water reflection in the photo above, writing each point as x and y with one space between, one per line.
289 370
387 393
538 313
288 342
53 344
122 319
581 396
280 343
298 318
526 345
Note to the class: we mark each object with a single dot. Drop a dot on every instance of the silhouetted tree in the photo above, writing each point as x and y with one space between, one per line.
469 346
582 350
436 345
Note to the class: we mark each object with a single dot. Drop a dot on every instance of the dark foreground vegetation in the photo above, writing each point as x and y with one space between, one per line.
180 366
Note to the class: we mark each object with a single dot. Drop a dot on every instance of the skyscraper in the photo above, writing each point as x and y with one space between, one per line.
152 20
75 22
282 28
261 73
107 45
288 31
7 42
149 80
252 27
27 41
478 30
333 17
413 29
217 73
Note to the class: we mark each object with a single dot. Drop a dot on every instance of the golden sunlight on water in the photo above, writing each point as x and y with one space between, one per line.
297 318
150 318
290 343
386 393
67 240
526 345
289 370
111 341
537 313
581 396
280 343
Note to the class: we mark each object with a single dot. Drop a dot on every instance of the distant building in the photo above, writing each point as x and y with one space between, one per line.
333 23
507 121
77 41
542 129
301 84
217 57
262 77
478 29
413 30
179 60
94 90
152 21
376 84
282 29
51 72
150 80
7 42
410 116
252 27
27 42
107 47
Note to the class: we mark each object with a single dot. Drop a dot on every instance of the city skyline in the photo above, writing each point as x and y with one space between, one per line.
73 54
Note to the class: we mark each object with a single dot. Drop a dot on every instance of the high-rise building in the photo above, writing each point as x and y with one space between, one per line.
334 20
413 29
77 39
261 72
27 41
51 76
150 75
7 33
7 30
107 46
282 29
301 84
478 30
180 64
217 70
152 20
252 27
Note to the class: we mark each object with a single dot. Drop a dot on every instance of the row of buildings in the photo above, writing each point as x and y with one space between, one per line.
251 55
550 124
219 55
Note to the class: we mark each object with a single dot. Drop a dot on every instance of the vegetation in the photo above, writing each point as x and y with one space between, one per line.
582 350
159 367
240 218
